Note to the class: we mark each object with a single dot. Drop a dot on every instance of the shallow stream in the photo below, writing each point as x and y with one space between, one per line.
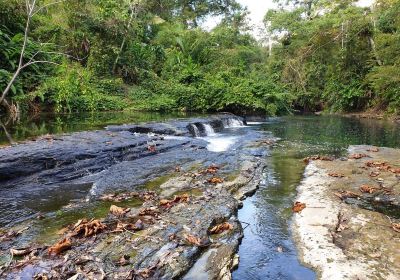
267 250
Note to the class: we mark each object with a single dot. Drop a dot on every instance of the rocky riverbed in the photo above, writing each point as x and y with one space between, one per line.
134 201
349 228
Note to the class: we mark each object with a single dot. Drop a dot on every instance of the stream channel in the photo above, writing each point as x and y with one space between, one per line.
267 250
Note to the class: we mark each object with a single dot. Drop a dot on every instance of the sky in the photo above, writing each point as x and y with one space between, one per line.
258 9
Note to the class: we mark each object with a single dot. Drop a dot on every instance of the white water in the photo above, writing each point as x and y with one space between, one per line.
196 130
233 123
209 130
220 143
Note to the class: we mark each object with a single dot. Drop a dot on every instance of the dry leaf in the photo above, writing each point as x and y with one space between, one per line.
60 247
118 211
368 189
337 175
346 194
373 149
395 170
128 226
192 239
215 180
298 207
88 228
150 211
325 158
151 148
357 156
221 228
375 163
396 227
20 252
177 199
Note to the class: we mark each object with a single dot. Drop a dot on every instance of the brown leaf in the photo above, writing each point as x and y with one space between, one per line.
148 195
346 194
192 239
396 227
150 211
375 163
177 199
128 226
118 211
368 189
221 228
60 247
151 148
373 149
357 156
88 228
298 207
337 175
395 170
215 180
324 158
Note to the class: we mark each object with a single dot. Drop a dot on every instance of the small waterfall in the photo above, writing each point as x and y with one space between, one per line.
208 129
231 122
195 130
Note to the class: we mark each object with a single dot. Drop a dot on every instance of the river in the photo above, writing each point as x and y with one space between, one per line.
267 250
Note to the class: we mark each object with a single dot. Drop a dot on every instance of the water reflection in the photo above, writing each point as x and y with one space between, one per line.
267 250
33 126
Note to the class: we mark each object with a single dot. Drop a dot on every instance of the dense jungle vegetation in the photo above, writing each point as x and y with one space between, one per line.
91 55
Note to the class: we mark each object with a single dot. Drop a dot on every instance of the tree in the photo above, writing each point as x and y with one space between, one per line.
31 10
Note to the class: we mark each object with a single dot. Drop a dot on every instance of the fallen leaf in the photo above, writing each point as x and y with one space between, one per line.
357 156
337 175
20 252
396 227
373 149
375 163
150 211
221 228
177 169
88 228
128 226
192 239
215 180
148 195
298 207
325 158
177 199
151 148
60 247
368 189
40 276
395 170
118 211
346 194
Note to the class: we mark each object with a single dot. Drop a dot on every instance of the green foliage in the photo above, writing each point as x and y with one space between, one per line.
140 55
74 88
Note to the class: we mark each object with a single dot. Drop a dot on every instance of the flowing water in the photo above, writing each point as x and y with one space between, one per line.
267 250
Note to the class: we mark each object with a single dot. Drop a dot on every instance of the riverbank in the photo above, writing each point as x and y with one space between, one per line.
350 226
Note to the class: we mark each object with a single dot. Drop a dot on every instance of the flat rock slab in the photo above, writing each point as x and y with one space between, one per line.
347 230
